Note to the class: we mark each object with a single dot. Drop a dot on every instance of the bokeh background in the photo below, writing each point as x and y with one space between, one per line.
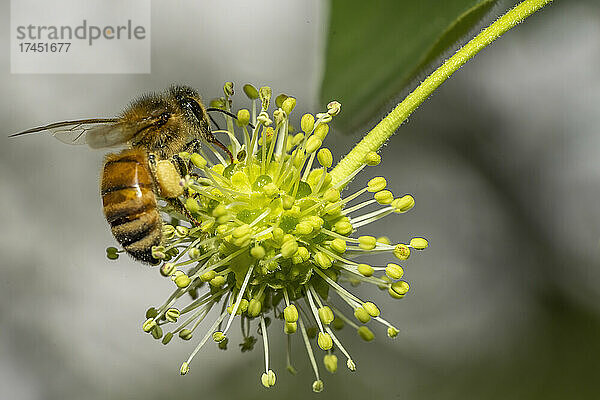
503 161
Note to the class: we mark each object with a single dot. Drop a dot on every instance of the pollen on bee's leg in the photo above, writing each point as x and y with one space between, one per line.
168 179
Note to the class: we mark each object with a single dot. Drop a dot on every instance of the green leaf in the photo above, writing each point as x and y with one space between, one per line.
375 49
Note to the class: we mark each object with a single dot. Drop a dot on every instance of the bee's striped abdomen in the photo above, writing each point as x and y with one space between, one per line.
130 204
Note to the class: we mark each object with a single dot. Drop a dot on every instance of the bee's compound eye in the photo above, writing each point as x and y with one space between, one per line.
195 108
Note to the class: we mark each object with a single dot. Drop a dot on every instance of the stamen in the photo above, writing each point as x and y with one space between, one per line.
218 264
246 140
263 329
260 218
253 143
239 298
357 275
347 179
235 144
265 232
343 317
340 290
316 296
309 350
216 153
275 257
263 162
185 366
209 163
272 147
203 315
288 357
337 235
282 137
371 217
345 200
384 322
313 308
335 256
358 207
205 298
309 165
349 363
321 180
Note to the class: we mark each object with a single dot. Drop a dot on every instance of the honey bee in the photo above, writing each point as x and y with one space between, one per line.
154 129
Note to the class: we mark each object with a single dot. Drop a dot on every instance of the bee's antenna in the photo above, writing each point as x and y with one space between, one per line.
214 122
232 115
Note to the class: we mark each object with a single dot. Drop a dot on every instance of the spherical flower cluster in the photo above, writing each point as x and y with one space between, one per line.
270 239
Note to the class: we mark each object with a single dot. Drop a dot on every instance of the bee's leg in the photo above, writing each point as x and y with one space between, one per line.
193 146
167 179
179 207
184 170
152 162
181 165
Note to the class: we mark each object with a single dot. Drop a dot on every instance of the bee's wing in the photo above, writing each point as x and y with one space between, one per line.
97 133
71 132
99 137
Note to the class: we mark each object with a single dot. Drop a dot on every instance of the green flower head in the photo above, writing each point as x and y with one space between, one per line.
272 239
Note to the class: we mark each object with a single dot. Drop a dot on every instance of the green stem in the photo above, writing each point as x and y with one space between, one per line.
386 128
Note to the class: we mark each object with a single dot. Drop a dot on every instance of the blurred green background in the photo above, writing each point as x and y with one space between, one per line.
502 160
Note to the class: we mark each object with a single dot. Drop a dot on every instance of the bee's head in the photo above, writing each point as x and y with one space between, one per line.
189 103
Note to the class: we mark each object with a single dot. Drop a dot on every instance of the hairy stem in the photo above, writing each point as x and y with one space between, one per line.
386 128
